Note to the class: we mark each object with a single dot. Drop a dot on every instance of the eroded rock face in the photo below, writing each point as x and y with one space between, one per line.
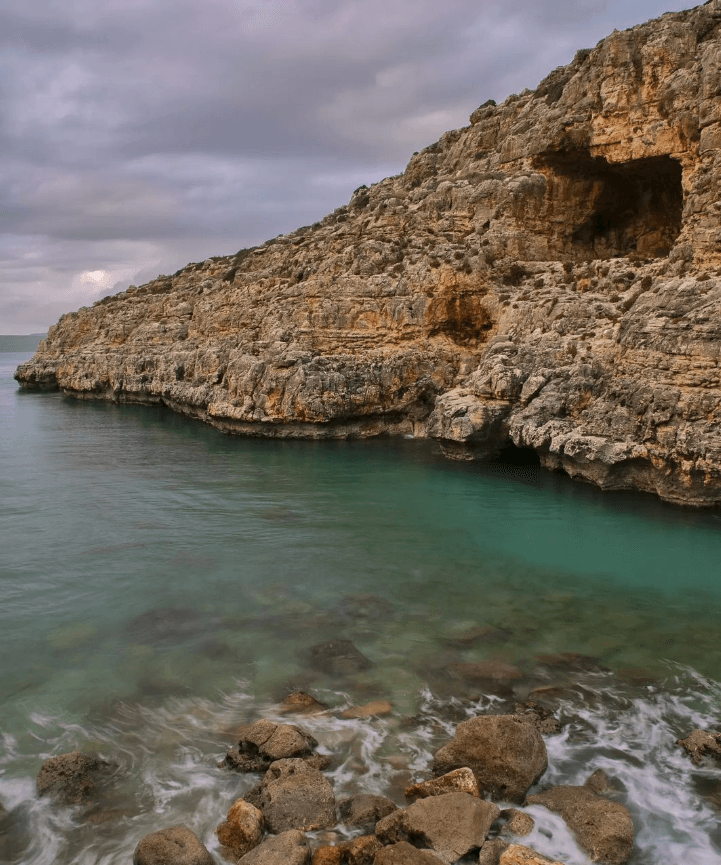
175 845
450 825
404 853
548 276
506 754
604 829
294 795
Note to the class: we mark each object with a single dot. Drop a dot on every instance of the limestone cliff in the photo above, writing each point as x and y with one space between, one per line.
550 275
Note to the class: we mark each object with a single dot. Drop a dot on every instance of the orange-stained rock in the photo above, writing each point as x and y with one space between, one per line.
515 854
242 829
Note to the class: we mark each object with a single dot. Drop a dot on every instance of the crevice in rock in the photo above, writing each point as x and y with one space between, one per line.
616 209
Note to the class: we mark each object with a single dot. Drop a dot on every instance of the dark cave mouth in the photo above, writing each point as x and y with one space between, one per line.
512 455
621 208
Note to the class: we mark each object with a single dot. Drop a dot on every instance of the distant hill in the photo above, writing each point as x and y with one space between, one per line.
20 342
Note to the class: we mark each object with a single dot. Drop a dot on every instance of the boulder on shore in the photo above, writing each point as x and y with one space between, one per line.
263 742
294 795
506 754
176 845
365 809
242 829
603 829
451 825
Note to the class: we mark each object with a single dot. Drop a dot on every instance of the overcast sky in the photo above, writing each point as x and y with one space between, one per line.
139 135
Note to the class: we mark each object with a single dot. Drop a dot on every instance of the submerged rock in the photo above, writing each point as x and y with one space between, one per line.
338 658
298 702
176 845
294 795
375 708
451 825
167 625
72 779
506 754
604 829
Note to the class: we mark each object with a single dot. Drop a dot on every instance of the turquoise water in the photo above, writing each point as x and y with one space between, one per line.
151 565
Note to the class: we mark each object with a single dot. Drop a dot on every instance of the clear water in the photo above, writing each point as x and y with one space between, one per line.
251 551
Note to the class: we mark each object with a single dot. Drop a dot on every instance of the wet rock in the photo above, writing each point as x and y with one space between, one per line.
287 848
492 672
368 710
72 779
329 856
571 662
365 809
515 854
363 850
470 633
242 829
506 754
701 743
175 845
166 625
294 795
404 853
599 782
603 829
263 742
451 825
301 703
541 717
338 658
517 822
457 781
491 851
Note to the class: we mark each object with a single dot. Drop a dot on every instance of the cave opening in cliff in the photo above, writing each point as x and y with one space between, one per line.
512 455
618 209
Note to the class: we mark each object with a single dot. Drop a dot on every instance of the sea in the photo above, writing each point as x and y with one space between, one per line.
162 583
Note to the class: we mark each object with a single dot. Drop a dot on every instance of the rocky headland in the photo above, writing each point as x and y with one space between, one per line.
548 277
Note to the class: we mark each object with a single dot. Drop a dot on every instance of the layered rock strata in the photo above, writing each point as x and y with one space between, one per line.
548 277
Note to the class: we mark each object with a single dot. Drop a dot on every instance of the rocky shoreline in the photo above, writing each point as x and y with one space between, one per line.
547 278
471 809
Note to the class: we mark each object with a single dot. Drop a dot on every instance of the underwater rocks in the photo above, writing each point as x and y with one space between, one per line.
506 754
338 658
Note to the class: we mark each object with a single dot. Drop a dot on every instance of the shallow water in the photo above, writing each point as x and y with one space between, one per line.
162 582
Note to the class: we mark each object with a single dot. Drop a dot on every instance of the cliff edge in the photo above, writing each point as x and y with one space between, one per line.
548 276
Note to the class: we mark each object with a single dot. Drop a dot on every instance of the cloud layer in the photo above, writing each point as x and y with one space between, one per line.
139 135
